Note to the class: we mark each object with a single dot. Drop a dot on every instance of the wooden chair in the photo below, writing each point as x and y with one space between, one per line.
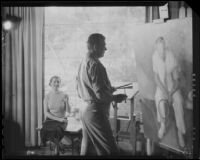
73 130
73 136
53 151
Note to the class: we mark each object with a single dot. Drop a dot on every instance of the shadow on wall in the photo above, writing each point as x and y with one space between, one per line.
13 139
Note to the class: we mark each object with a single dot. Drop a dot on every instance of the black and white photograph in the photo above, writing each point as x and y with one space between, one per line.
99 80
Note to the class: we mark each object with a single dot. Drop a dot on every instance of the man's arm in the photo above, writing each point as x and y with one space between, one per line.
100 88
99 85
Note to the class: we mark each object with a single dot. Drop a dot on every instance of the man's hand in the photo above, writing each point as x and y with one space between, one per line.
113 89
119 98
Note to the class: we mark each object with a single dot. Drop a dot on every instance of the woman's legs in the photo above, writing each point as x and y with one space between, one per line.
162 114
179 116
160 100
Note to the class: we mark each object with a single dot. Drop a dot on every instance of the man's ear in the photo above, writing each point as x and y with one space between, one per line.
94 47
91 47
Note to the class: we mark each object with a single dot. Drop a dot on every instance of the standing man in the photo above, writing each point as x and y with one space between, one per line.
95 89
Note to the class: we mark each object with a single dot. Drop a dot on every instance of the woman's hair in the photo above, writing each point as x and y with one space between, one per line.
54 77
160 40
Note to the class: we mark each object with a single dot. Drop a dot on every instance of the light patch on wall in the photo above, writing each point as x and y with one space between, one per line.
66 33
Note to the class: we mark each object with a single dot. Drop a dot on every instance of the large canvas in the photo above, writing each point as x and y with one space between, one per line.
178 37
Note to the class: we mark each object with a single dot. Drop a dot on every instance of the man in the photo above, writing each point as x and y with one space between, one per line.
95 89
166 70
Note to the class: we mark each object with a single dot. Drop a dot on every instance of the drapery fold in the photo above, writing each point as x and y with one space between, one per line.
22 77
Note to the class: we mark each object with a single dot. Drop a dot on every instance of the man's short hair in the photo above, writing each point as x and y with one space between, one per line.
95 38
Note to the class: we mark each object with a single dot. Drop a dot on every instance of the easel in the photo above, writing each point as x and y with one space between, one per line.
132 121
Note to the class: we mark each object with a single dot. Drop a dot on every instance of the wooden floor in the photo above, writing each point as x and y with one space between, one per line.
124 145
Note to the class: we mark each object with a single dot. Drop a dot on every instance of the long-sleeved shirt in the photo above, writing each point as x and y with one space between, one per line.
92 81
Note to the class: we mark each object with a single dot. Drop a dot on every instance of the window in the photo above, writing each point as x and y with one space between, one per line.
66 33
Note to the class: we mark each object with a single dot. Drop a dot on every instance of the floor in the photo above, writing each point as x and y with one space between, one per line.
124 146
46 151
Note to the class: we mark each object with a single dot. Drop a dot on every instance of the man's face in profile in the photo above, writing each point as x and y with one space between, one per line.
100 48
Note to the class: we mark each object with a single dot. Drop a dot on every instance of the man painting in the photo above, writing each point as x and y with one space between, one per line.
95 89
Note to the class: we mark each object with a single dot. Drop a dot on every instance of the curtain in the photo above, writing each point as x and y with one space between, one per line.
151 13
22 78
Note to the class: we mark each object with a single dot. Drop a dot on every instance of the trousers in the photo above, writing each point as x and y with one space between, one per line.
97 138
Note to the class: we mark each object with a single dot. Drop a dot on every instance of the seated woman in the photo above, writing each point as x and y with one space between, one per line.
56 110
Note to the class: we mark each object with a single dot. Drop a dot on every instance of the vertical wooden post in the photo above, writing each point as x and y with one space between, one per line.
115 120
132 127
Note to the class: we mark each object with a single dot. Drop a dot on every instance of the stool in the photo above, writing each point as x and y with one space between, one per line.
56 151
74 130
73 135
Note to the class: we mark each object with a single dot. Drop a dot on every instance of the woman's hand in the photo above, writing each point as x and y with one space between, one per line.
67 114
72 114
64 120
166 94
170 97
65 99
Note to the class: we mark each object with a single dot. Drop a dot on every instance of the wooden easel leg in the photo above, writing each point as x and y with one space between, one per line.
149 147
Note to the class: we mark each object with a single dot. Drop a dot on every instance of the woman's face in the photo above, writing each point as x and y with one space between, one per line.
55 83
160 47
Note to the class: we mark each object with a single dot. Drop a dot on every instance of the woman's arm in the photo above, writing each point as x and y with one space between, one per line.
67 105
160 85
155 60
48 113
175 81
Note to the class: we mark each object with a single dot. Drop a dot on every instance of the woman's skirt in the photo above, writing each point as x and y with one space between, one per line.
52 130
